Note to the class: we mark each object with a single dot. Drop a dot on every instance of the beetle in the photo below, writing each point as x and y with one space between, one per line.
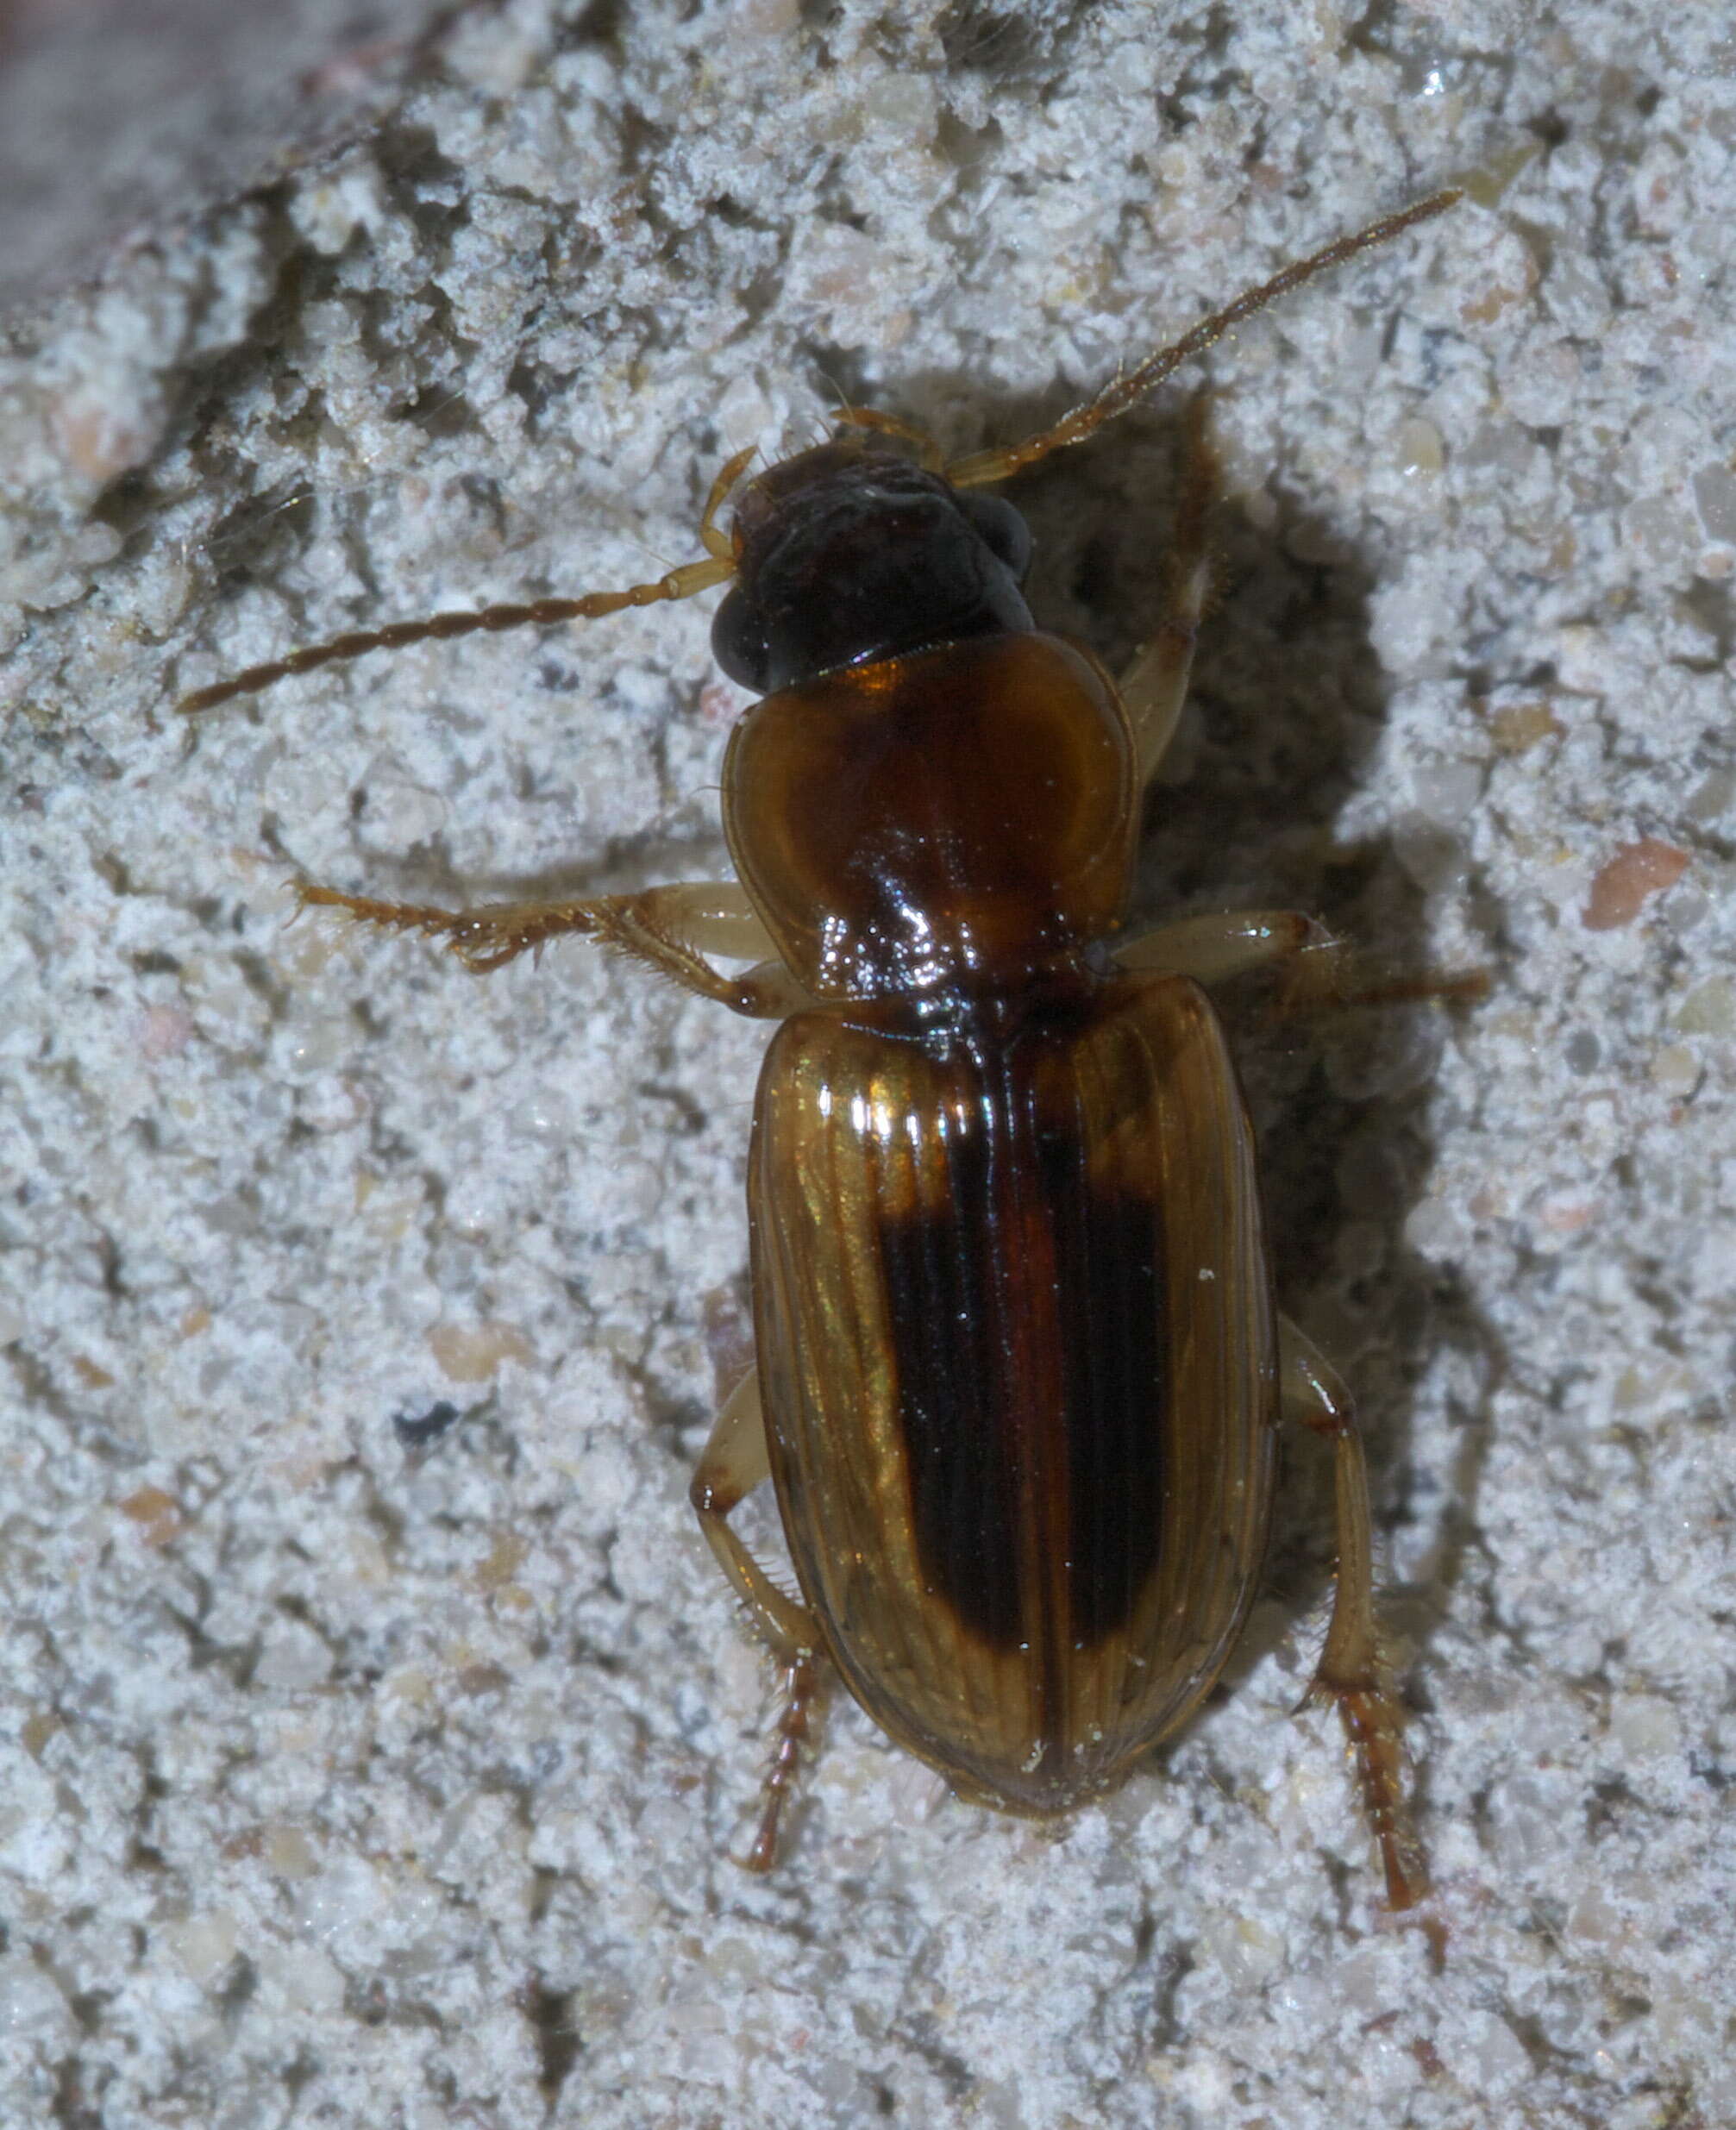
1020 1369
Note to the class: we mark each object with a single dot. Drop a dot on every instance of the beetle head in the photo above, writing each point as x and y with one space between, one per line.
851 553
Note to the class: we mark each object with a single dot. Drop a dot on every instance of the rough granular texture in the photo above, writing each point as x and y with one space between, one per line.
377 1732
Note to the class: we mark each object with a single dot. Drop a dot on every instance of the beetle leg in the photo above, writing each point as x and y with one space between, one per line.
1224 944
734 1463
1154 686
1337 975
671 928
1350 1668
1322 971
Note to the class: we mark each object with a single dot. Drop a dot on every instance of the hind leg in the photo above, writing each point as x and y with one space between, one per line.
733 1464
1350 1668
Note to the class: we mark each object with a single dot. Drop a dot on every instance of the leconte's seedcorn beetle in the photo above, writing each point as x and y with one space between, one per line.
1019 1368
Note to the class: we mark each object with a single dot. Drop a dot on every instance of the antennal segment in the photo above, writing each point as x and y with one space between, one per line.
680 584
981 468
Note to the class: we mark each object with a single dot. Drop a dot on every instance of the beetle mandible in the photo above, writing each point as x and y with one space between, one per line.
1019 1368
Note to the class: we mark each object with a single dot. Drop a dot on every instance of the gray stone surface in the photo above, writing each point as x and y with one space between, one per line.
120 119
359 1783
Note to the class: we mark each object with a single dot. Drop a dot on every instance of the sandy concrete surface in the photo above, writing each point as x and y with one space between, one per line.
377 1732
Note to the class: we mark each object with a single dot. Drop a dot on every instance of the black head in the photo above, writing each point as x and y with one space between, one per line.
851 552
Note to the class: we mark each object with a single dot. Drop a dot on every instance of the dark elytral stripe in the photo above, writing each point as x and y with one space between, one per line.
950 1369
1111 1345
1026 1305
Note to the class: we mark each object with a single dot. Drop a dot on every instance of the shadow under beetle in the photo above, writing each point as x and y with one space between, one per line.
1020 1369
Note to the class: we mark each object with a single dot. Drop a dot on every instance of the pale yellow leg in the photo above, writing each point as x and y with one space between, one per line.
734 1463
1224 943
1350 1668
1322 971
671 928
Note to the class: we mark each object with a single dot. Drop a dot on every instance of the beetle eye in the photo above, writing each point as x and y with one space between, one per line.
738 642
1003 532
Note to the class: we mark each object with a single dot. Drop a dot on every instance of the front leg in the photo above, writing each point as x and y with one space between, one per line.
672 929
1211 948
1320 970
